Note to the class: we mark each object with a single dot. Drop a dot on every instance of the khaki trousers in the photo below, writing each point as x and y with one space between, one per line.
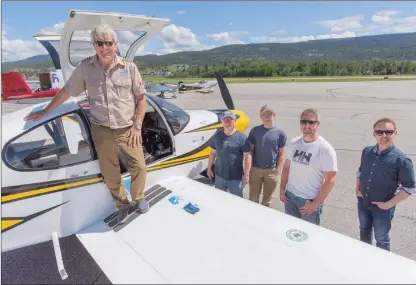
268 179
107 142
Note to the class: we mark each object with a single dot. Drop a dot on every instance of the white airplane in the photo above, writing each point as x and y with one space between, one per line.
161 88
202 86
52 187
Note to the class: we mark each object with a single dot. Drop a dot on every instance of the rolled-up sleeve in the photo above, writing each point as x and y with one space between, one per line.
407 176
138 86
76 84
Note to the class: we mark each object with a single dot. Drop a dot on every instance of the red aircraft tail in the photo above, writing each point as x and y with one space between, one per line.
13 84
14 87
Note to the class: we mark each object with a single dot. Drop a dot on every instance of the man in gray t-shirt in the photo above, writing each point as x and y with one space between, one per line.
267 143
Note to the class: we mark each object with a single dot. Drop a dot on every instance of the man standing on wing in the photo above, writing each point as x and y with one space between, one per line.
230 147
384 179
268 148
117 107
309 171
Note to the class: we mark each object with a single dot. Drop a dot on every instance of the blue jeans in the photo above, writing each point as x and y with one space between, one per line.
370 216
293 208
233 186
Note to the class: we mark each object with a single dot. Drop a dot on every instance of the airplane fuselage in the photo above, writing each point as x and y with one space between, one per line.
68 198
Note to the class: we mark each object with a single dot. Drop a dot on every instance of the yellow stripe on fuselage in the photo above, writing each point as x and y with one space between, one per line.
47 190
178 162
5 224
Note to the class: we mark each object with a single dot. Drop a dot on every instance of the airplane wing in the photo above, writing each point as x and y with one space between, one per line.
232 240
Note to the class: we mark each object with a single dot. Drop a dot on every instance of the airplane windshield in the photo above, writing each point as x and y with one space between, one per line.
175 116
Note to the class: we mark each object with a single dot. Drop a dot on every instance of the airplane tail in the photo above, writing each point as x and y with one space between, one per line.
13 84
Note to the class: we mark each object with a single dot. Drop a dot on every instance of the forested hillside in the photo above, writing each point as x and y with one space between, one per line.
380 54
391 46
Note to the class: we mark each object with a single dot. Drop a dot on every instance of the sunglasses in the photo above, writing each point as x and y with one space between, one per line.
381 132
107 43
310 122
267 116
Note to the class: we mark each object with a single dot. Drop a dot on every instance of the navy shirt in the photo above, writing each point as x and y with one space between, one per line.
382 174
267 143
230 154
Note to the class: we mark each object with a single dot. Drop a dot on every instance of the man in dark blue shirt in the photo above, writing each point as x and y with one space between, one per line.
267 143
231 150
384 179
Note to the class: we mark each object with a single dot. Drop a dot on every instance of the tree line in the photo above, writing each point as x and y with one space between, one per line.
310 68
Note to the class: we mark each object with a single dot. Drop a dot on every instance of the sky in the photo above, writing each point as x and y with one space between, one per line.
209 24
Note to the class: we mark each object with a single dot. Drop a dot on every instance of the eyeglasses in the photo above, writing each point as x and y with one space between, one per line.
310 122
381 132
106 43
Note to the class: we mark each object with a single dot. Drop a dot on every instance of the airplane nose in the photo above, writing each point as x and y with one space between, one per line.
242 122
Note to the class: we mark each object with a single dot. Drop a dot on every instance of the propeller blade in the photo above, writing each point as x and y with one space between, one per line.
226 96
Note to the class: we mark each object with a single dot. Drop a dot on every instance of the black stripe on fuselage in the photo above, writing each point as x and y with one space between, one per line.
5 191
28 218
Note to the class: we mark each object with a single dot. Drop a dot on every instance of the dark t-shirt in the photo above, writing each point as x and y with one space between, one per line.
230 154
267 143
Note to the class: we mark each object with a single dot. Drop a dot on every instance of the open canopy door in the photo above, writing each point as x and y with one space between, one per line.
132 32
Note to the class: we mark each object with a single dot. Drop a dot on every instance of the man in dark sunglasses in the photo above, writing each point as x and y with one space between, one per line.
385 178
117 107
309 171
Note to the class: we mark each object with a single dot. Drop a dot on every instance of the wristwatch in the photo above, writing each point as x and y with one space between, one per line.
138 126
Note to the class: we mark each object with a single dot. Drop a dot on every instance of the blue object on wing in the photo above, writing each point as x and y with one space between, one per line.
127 183
174 200
191 209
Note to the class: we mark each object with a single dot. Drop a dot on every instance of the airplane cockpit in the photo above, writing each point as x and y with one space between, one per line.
157 128
157 142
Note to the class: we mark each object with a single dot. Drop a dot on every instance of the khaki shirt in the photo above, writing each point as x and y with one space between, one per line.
112 94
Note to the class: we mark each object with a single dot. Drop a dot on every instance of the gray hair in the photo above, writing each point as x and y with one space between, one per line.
311 111
102 31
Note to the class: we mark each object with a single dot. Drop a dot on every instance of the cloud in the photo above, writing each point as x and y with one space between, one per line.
180 12
178 38
228 38
13 50
384 17
55 29
384 21
344 24
403 25
267 39
230 23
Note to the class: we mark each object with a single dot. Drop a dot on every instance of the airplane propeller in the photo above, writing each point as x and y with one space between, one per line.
226 96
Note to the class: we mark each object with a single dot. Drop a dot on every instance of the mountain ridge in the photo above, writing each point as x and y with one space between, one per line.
385 46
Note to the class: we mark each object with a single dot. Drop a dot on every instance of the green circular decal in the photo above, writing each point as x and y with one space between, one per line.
296 235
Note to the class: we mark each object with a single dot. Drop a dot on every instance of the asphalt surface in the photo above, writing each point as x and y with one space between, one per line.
348 112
